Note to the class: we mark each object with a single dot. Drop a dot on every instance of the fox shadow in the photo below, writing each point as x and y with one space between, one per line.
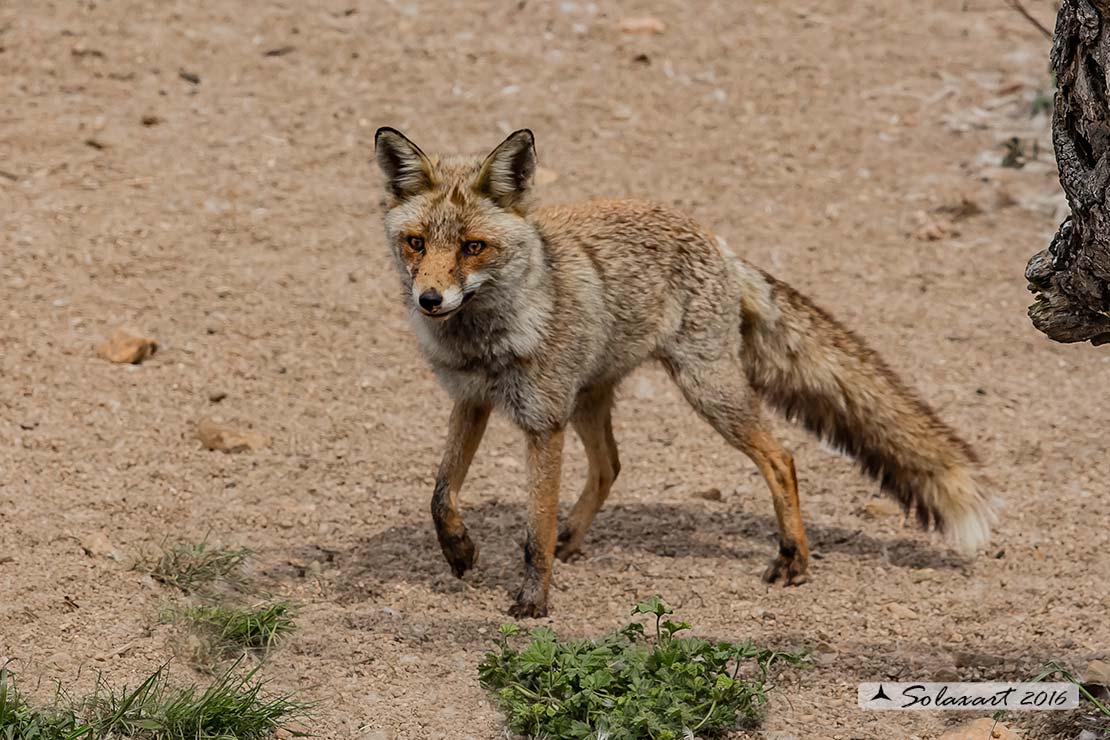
408 552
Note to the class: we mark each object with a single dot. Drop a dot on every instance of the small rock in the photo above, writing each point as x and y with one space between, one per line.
981 729
216 396
645 24
222 438
126 346
96 545
151 120
1098 672
881 508
191 77
709 494
900 611
80 51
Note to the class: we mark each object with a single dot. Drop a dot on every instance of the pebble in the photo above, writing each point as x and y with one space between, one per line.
900 611
125 346
223 438
644 25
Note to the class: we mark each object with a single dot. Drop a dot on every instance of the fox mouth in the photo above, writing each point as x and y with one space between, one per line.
440 313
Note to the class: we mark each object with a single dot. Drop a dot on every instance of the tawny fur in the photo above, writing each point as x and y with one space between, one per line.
560 304
811 368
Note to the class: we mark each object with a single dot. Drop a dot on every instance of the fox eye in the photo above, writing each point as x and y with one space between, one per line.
473 248
416 243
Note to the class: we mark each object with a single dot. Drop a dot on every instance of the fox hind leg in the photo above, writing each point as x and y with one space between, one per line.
593 421
777 467
719 392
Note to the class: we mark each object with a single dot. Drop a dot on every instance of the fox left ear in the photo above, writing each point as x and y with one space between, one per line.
407 169
506 174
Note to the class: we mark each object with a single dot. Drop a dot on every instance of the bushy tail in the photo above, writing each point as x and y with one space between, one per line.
813 369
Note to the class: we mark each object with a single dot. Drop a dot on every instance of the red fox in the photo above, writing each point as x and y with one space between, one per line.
541 312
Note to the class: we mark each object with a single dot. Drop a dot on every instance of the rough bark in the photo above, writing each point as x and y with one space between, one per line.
1071 279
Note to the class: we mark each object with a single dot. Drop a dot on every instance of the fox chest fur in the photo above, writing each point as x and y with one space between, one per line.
497 359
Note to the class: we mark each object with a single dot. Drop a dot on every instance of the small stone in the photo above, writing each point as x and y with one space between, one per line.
126 346
1098 671
881 508
222 438
217 396
97 545
644 24
710 494
981 729
900 611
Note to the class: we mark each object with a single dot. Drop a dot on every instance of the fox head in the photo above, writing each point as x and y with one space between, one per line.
457 226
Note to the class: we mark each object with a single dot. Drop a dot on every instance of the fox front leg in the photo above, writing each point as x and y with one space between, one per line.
465 429
545 461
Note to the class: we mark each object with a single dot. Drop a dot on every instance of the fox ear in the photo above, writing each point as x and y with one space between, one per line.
407 169
506 174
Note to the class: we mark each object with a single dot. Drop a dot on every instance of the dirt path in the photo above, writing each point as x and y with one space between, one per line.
235 218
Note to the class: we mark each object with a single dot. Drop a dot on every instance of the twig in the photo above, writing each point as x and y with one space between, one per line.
1016 5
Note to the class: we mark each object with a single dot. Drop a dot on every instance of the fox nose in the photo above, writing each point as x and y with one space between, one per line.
430 299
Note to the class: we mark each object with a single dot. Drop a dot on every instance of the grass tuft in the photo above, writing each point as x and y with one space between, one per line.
20 721
233 707
190 566
628 685
257 627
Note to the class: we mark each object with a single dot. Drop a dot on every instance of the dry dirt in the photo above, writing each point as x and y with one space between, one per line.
852 148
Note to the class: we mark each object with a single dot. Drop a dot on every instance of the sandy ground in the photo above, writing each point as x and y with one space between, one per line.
852 148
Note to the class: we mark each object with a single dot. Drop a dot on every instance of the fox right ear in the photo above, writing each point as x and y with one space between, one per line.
506 174
407 170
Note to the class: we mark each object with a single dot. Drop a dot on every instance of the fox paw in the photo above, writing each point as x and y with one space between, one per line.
569 547
529 604
460 551
790 569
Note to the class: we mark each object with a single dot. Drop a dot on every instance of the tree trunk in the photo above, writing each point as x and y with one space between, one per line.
1071 279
